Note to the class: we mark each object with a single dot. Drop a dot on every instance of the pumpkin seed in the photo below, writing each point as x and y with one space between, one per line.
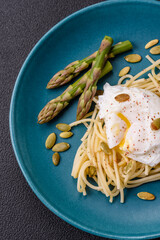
61 147
123 97
56 158
155 125
50 141
92 171
151 43
105 148
66 134
124 71
133 58
155 50
146 196
63 127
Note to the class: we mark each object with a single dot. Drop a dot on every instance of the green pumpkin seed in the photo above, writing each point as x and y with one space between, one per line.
155 125
155 50
124 71
56 158
133 58
61 147
123 97
105 148
50 141
146 196
63 127
66 134
151 43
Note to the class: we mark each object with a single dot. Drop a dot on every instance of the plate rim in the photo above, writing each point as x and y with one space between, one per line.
24 170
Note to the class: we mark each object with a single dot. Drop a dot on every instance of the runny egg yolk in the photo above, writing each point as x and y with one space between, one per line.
122 117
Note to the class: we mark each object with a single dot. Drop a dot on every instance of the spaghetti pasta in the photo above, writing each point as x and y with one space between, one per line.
114 171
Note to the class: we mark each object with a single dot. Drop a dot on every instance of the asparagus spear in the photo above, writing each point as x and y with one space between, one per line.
71 71
86 97
55 106
119 48
74 68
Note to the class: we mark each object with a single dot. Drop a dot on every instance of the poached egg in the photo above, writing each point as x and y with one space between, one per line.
128 114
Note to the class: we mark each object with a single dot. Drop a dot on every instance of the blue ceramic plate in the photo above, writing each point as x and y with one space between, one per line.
74 38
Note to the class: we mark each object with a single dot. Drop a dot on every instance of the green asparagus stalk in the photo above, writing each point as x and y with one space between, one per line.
55 106
74 68
89 92
119 48
71 71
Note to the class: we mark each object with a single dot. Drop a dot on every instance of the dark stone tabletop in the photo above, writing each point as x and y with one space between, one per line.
22 215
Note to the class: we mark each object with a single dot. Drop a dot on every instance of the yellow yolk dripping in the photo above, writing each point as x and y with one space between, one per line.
121 116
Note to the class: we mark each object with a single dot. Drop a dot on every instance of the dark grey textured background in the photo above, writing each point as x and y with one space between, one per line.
22 215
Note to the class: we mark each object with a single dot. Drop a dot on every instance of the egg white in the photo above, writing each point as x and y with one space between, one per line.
128 123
